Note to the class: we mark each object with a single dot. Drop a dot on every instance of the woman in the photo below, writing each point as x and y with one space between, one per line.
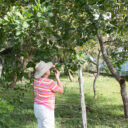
45 89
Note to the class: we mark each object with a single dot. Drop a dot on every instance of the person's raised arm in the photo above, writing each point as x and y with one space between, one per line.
60 89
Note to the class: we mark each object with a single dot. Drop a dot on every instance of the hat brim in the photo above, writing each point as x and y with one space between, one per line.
39 74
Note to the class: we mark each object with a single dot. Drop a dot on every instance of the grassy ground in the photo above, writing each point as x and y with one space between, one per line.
105 112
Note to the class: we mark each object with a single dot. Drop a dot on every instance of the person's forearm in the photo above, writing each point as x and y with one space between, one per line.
59 83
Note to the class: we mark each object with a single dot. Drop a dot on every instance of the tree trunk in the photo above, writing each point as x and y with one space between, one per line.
83 106
97 74
24 64
114 73
94 87
124 98
13 84
1 67
70 75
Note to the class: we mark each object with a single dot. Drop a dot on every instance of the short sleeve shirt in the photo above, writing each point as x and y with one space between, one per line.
44 89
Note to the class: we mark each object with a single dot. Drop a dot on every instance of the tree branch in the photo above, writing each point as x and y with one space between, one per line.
109 64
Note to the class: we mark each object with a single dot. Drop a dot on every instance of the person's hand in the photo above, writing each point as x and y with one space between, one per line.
57 74
53 66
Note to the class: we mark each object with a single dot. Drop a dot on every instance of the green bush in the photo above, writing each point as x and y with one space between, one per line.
5 114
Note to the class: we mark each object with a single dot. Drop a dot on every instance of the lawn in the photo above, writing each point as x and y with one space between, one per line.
105 112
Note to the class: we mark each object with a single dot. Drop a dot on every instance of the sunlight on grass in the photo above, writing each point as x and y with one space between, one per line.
105 112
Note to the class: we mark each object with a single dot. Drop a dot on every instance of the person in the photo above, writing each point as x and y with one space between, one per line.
44 90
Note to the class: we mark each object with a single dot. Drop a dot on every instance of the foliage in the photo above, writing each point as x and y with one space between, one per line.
5 117
27 30
110 18
41 29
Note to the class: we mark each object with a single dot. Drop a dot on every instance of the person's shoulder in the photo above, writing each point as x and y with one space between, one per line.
37 79
50 80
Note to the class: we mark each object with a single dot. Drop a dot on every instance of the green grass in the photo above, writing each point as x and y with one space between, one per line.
105 112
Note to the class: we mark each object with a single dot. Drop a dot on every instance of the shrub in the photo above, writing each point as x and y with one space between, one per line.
5 114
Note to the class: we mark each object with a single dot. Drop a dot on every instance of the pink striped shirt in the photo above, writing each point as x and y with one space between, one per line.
44 89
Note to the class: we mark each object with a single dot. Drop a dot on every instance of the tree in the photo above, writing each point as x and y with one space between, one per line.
107 18
110 27
21 30
97 64
118 78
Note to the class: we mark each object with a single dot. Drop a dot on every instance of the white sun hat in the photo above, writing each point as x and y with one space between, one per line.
41 68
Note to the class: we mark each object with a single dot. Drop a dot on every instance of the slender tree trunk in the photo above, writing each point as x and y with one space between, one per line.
83 106
114 73
70 75
13 84
24 64
1 67
97 75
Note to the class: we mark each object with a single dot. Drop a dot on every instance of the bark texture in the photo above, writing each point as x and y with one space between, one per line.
70 76
83 105
96 76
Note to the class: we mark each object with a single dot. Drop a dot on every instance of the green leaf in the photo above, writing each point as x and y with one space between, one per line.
50 14
19 14
25 25
49 8
39 14
6 18
35 8
18 33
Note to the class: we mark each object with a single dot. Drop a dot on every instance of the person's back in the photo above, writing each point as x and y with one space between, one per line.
44 89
